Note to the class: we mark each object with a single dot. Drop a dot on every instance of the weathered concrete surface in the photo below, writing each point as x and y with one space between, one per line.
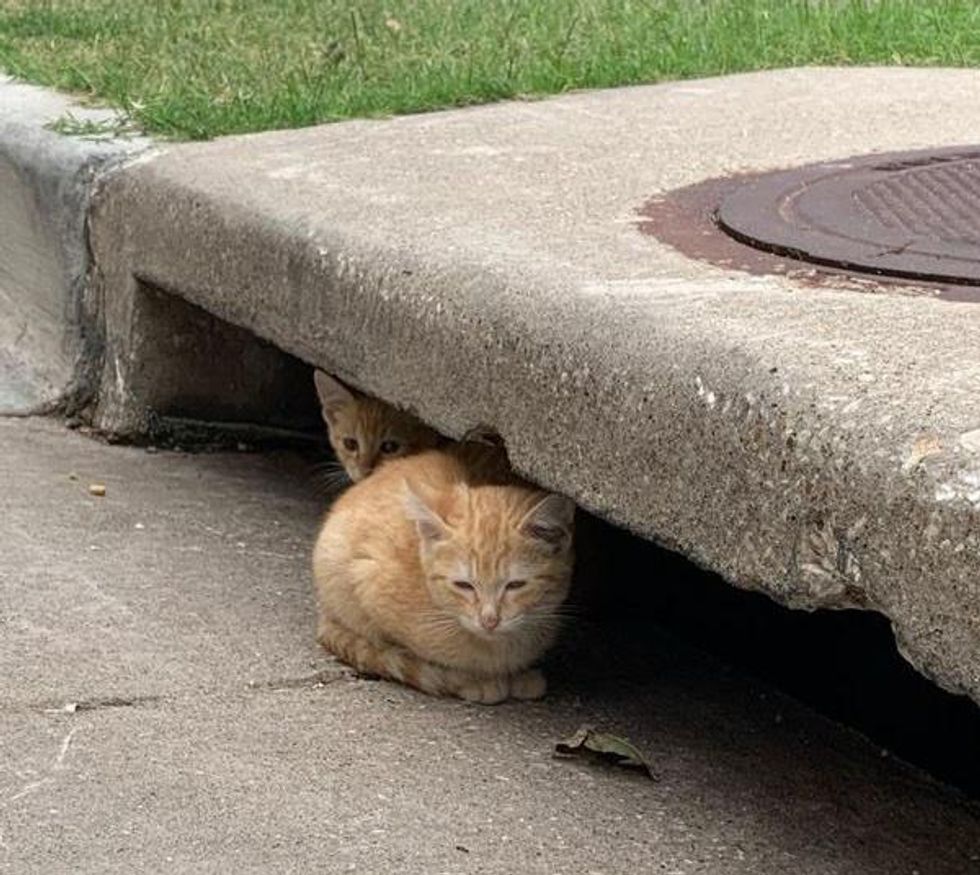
485 266
45 182
211 735
180 615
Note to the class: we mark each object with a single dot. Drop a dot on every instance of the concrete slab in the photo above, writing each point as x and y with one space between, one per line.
173 762
45 182
485 266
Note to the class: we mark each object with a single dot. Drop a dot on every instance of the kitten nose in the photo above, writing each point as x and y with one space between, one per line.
363 469
489 621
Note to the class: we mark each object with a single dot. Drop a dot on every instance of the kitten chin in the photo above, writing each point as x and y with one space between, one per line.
444 571
365 432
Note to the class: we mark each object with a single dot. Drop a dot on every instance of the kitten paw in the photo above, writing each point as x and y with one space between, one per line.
486 691
529 684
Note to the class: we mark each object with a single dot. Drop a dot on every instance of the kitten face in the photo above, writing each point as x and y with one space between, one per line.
364 432
499 559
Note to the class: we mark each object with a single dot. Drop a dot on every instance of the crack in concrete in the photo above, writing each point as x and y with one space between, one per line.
99 703
317 679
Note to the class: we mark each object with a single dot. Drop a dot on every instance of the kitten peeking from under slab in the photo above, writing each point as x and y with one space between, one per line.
446 573
363 431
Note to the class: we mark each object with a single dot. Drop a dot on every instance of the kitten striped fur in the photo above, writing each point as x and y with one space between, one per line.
445 572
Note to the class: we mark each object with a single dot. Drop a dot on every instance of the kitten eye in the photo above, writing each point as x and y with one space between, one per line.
464 585
516 584
389 447
350 444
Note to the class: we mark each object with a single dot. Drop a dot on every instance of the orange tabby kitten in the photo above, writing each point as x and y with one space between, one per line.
364 431
442 572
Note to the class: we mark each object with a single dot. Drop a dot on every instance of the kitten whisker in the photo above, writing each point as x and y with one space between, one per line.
329 479
547 614
438 617
330 474
440 624
328 463
332 477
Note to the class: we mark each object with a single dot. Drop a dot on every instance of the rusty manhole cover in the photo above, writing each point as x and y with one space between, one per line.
910 216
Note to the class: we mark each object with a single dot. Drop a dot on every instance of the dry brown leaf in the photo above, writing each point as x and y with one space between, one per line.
590 743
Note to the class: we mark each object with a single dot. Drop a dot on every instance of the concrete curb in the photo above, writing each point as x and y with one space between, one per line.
46 356
485 267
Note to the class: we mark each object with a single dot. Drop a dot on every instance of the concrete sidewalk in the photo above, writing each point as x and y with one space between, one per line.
486 266
163 708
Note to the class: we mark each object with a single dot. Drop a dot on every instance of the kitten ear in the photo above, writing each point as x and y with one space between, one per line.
334 395
430 526
550 521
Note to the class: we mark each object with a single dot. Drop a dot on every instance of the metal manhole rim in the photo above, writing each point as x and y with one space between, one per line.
761 213
685 219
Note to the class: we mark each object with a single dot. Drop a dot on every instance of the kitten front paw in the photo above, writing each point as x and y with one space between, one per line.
486 691
529 684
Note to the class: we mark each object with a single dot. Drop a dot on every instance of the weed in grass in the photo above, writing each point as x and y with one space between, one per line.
116 127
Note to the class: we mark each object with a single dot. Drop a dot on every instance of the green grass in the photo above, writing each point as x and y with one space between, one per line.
200 68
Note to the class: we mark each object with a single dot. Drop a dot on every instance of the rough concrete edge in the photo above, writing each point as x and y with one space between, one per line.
91 365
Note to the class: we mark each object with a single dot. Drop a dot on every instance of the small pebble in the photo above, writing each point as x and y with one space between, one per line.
96 489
